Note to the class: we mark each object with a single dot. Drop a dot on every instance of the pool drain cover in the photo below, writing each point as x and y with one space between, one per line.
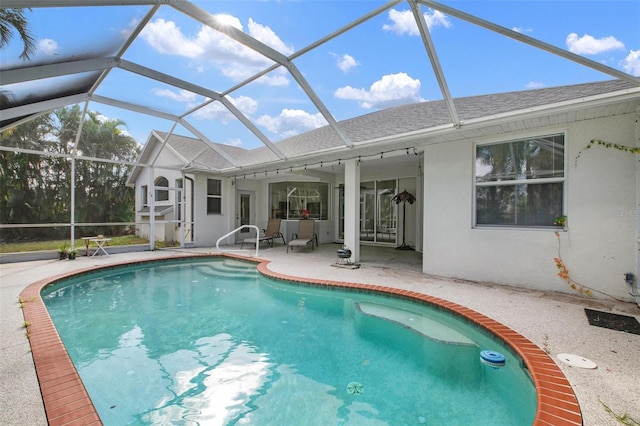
354 388
577 361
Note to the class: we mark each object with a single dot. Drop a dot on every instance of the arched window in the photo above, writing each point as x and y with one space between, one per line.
162 194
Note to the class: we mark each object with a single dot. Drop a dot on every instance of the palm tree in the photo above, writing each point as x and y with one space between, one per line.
14 19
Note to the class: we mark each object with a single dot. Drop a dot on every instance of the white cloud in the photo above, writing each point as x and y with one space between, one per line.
218 112
248 106
48 46
346 62
233 142
234 60
128 30
268 37
535 85
291 122
214 111
390 90
100 117
631 64
589 45
166 38
183 96
522 30
403 22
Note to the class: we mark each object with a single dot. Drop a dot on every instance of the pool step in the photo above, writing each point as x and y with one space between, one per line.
239 264
229 269
427 327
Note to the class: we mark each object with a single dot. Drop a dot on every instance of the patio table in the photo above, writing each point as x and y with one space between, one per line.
86 243
100 242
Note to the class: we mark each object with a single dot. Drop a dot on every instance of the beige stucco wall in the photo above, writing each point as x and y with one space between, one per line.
598 247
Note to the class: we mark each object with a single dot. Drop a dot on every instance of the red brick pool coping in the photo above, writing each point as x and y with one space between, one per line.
67 402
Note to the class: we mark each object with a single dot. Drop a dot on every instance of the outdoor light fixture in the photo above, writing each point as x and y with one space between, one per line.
404 197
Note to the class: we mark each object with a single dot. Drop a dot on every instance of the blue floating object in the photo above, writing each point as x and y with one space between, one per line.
492 359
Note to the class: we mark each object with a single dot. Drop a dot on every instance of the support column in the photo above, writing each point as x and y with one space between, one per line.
151 198
72 189
352 208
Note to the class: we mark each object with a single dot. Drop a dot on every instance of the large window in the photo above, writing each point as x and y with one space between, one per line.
214 196
296 200
520 183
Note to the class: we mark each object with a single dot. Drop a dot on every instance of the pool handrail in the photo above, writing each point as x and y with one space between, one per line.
233 232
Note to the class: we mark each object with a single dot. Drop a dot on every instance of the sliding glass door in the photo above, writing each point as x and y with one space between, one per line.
378 212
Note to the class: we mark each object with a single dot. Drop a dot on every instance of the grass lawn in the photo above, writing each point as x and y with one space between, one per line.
57 244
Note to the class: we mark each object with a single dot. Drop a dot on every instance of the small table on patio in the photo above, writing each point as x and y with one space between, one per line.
100 242
86 244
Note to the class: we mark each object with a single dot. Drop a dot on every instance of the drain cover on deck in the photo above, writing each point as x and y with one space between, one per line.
577 361
612 321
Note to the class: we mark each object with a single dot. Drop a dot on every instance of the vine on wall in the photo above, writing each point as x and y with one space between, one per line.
598 142
563 271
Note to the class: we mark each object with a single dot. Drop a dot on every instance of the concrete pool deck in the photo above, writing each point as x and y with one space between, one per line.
555 322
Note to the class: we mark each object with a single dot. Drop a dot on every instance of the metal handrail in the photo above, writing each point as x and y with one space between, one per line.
236 230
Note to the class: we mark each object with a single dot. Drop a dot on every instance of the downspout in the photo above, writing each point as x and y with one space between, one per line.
634 280
191 219
181 197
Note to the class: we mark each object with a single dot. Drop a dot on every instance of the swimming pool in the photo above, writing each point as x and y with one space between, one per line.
279 367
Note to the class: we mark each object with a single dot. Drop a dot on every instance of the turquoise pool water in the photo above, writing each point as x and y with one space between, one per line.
212 342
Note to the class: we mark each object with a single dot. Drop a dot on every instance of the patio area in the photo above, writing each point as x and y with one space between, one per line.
555 322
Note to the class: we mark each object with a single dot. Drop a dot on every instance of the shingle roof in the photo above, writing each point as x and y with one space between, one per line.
408 118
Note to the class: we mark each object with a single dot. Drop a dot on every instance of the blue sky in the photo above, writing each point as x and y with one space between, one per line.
377 64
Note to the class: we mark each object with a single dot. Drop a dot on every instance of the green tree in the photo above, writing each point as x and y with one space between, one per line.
15 20
36 188
101 191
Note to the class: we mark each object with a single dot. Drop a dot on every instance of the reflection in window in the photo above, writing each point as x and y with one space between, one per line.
520 183
378 212
162 194
179 202
144 196
297 200
214 196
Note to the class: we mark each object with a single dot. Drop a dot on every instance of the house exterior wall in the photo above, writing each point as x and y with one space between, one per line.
163 231
210 227
598 245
